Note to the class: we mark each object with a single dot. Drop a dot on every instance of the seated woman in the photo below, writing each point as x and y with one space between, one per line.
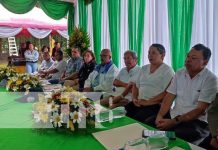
78 80
149 89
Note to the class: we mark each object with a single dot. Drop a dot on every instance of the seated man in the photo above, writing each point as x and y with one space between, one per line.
149 89
101 79
128 74
193 88
56 70
47 61
73 65
213 122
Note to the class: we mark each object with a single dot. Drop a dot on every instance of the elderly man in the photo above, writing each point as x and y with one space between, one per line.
128 74
193 88
101 79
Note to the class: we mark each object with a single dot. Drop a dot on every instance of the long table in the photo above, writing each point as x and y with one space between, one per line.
15 114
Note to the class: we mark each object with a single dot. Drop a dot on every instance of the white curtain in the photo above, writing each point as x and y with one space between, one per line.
39 33
204 29
90 28
105 36
6 32
156 28
63 33
124 36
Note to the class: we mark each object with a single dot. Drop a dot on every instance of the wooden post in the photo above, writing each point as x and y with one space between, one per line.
0 47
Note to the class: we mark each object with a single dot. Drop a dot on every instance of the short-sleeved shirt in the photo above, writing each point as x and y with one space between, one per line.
105 80
73 65
190 91
127 77
46 64
60 66
152 84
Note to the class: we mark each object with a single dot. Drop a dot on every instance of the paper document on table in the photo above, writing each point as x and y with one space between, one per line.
115 139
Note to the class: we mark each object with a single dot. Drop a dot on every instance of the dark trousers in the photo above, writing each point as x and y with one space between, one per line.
194 131
146 114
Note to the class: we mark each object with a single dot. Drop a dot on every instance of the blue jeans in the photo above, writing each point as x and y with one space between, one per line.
31 67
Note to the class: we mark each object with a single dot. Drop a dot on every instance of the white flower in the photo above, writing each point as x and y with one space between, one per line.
76 116
14 79
8 74
77 103
15 88
57 120
27 86
54 107
49 108
36 117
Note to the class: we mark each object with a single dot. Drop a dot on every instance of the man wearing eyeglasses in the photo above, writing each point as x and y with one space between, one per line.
101 79
192 89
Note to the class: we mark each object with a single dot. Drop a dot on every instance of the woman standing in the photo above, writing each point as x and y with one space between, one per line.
31 57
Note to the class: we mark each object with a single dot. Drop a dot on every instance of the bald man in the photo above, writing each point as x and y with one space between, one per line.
101 79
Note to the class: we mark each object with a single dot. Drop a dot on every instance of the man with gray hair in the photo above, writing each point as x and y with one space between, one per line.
128 74
101 79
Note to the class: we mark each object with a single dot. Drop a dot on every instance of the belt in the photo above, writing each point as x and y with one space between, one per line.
31 61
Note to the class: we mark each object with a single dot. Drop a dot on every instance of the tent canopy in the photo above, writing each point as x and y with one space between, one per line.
35 21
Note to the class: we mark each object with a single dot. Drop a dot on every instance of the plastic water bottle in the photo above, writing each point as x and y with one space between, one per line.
109 115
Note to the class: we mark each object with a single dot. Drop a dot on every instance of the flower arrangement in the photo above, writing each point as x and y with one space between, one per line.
79 38
66 109
22 83
6 72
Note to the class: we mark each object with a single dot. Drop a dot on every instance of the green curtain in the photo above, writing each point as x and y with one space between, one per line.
83 14
180 25
55 9
97 21
136 13
18 6
114 29
71 20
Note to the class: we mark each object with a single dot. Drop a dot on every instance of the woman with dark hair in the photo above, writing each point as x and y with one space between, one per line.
56 48
44 49
31 56
89 65
150 88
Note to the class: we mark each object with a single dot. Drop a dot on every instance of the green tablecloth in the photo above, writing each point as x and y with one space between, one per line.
13 113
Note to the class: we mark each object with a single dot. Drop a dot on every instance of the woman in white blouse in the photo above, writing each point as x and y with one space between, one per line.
149 89
31 57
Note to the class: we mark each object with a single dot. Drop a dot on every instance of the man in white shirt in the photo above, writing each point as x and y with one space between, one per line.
101 79
47 61
57 69
193 88
128 74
